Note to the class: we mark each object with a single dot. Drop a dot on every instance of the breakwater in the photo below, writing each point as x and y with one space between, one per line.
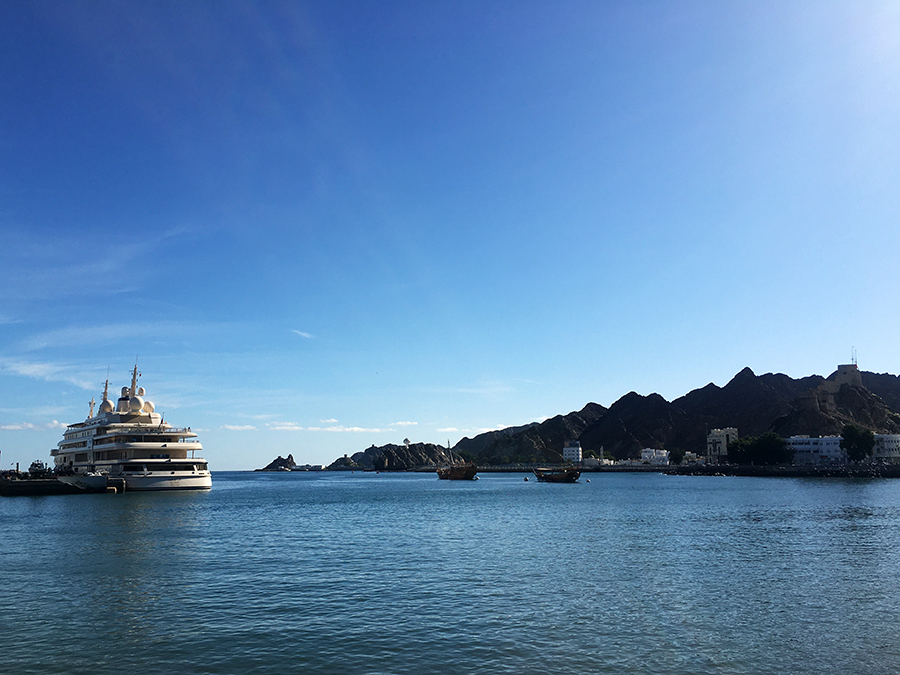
14 487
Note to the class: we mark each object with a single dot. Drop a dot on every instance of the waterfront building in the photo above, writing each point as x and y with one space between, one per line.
717 442
572 452
593 462
887 448
819 451
655 456
811 451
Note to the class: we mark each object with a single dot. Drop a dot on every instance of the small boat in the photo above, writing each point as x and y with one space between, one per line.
39 470
561 475
457 469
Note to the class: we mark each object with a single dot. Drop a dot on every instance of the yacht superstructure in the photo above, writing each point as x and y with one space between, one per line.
130 440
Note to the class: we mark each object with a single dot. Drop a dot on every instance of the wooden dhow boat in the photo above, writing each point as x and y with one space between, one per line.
464 471
457 469
558 475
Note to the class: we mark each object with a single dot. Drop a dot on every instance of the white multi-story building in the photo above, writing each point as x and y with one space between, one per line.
887 448
827 450
717 442
572 452
816 451
654 456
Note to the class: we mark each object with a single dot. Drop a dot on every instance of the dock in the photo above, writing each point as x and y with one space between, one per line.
35 487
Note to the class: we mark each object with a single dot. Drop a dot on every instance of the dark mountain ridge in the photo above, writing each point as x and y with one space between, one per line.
754 404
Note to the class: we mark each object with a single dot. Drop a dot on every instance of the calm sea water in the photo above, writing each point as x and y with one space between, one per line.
369 573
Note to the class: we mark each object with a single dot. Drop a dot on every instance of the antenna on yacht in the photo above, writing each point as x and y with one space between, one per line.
134 376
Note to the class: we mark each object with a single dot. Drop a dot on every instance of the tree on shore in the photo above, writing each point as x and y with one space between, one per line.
858 443
765 450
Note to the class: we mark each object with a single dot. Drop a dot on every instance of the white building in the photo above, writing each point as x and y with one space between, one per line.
572 452
887 448
654 456
717 442
593 462
816 451
827 450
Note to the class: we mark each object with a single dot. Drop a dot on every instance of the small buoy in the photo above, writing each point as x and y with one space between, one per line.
588 480
526 479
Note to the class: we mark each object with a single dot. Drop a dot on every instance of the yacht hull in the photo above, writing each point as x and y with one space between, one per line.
156 483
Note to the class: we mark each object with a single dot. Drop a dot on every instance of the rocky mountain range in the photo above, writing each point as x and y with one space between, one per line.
754 404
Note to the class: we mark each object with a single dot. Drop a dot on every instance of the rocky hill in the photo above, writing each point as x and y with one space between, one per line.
532 443
280 464
755 404
394 458
885 386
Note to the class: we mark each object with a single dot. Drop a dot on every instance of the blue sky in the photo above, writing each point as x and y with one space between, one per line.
320 226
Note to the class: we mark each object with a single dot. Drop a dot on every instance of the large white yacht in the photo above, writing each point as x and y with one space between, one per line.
131 441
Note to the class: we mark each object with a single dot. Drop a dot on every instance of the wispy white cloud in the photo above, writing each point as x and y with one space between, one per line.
331 421
404 424
308 336
352 430
79 336
239 427
448 430
47 372
284 426
28 426
40 262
